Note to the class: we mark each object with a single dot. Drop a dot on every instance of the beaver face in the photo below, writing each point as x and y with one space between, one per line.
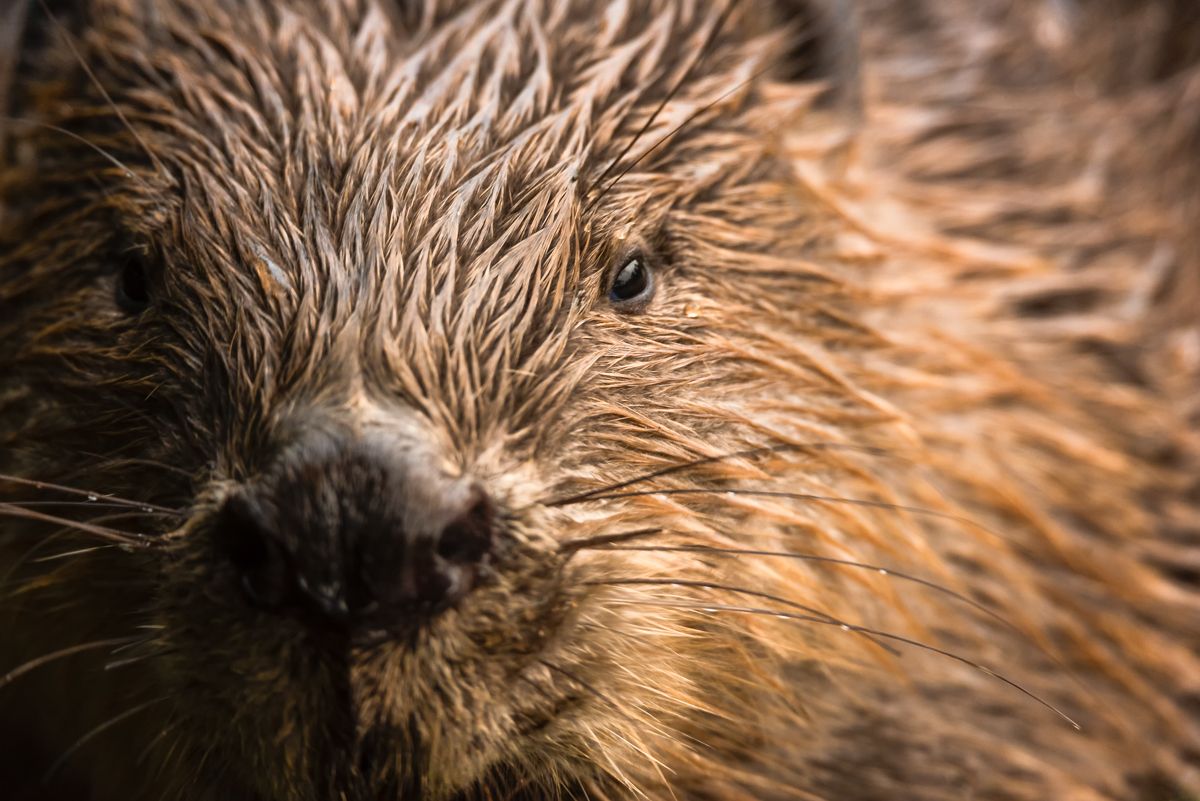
381 314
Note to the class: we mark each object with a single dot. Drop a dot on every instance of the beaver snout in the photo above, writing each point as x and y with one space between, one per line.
350 533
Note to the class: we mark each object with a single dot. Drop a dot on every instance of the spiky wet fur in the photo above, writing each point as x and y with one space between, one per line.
962 316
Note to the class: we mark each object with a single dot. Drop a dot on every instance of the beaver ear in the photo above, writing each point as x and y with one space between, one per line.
824 47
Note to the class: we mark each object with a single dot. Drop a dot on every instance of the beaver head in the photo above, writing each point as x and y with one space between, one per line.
477 403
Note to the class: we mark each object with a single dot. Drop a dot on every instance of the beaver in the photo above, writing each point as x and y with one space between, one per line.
600 399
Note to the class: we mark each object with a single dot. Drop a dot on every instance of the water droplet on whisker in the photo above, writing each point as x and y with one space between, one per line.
93 497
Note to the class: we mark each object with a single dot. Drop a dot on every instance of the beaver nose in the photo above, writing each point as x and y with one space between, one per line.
350 534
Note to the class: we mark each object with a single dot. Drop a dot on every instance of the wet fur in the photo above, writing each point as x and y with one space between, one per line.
945 283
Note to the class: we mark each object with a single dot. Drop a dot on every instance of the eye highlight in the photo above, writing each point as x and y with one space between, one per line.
133 287
632 284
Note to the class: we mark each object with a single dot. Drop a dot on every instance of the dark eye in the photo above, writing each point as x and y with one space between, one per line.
632 284
133 286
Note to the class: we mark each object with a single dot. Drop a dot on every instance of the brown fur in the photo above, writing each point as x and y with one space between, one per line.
943 304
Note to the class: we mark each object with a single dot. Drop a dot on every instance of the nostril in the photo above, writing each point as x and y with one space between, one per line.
245 541
354 541
468 538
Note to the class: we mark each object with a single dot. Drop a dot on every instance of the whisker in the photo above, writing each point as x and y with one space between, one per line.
63 653
70 43
829 560
69 554
778 613
713 585
27 504
121 537
24 558
570 546
882 570
91 495
747 453
98 730
703 54
154 741
691 118
803 496
80 139
133 660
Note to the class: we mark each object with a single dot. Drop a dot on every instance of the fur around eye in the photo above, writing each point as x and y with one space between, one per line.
632 284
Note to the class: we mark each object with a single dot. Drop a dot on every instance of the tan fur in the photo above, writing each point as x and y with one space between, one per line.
947 314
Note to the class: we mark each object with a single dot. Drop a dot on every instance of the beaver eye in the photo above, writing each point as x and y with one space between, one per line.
133 287
632 284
